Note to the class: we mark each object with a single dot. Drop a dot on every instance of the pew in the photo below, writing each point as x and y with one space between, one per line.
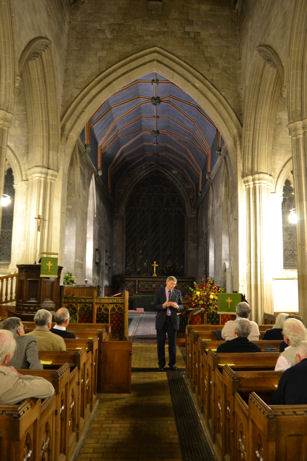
228 420
204 345
60 379
91 345
276 431
201 331
79 395
27 430
238 361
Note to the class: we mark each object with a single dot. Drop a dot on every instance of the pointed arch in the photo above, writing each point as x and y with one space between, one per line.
37 68
139 64
266 79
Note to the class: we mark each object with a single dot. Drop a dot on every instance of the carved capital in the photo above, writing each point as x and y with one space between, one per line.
5 119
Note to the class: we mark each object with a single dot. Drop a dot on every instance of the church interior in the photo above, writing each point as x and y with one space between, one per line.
146 138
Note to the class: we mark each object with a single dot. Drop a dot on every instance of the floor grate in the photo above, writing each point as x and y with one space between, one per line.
193 442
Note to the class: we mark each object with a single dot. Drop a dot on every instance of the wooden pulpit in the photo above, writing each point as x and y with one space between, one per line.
34 292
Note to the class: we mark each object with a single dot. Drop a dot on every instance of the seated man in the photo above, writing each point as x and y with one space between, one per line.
243 311
292 386
62 319
276 331
46 340
26 353
242 329
14 386
294 332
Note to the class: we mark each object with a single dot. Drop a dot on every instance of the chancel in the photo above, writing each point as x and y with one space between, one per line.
139 140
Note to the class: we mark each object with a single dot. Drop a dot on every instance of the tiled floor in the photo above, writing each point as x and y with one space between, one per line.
138 426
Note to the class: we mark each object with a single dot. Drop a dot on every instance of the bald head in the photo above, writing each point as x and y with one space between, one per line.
62 316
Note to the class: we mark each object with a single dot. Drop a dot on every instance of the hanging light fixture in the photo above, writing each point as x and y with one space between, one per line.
292 216
5 200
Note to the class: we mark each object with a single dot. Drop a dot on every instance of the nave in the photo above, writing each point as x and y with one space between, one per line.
157 420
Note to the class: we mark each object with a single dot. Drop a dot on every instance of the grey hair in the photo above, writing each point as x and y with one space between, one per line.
7 344
243 327
280 319
61 315
302 348
295 331
243 310
42 317
11 323
171 278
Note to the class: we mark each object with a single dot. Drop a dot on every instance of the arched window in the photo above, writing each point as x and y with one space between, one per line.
7 218
155 228
289 227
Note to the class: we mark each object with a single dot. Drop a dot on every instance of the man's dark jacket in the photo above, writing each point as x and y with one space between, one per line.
63 333
292 386
160 299
238 345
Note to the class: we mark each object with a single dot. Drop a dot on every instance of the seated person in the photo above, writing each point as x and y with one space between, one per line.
62 319
294 332
283 344
14 386
240 343
276 331
292 386
46 340
26 353
243 311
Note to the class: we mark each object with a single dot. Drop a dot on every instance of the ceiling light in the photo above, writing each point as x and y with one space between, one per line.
5 200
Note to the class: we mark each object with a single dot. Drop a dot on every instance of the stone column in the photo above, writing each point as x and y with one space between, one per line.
5 122
298 133
259 233
18 253
41 207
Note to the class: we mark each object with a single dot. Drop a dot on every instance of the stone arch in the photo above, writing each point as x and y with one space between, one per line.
265 82
37 68
137 65
16 165
297 97
128 183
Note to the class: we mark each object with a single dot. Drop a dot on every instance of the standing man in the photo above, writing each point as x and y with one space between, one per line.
168 302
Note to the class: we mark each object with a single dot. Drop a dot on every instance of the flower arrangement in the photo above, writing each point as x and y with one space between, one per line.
68 279
203 295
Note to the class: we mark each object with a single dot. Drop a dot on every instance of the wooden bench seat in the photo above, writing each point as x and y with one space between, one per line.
229 382
237 361
60 378
27 430
79 391
91 345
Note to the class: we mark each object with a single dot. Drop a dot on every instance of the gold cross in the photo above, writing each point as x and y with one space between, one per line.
228 301
49 264
155 265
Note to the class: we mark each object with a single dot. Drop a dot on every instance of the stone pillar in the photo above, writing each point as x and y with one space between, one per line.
18 253
259 233
5 122
119 249
40 213
298 133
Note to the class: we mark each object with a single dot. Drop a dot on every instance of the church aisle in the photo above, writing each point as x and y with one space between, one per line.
153 422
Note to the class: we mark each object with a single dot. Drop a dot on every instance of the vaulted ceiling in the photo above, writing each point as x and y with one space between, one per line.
152 120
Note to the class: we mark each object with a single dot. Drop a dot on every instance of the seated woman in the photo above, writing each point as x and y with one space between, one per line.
276 331
294 333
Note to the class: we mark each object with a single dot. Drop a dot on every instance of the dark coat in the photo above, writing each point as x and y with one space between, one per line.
273 333
63 333
238 345
292 386
160 298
